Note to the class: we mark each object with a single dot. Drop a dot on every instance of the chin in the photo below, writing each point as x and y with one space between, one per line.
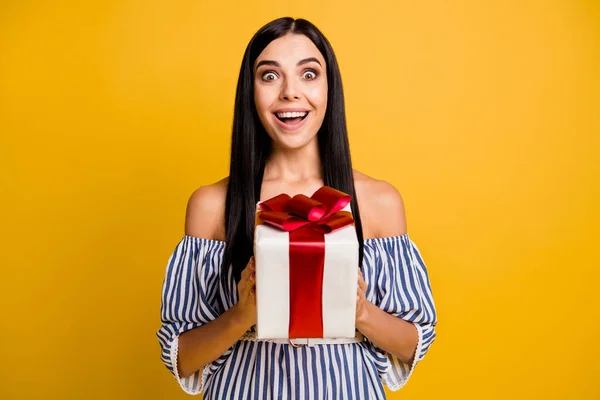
293 141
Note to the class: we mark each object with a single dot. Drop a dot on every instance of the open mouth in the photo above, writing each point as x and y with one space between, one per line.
291 118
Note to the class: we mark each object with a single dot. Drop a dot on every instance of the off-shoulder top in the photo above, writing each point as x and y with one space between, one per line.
194 293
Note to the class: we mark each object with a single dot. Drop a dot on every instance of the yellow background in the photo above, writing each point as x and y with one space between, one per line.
484 114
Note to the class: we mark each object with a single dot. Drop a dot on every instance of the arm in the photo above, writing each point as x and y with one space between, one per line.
386 331
203 344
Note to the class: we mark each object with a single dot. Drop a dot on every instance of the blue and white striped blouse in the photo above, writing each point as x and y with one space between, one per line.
193 294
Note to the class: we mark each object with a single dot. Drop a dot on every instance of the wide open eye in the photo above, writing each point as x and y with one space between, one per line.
309 75
269 76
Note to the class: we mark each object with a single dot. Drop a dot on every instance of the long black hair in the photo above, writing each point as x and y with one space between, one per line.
250 144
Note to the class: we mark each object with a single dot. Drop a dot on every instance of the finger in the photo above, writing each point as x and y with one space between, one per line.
251 283
247 290
244 274
363 285
252 265
360 293
360 277
249 267
242 290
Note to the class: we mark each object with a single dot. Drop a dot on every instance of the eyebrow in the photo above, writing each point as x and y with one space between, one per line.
276 64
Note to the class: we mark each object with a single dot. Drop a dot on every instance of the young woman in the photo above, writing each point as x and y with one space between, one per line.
289 136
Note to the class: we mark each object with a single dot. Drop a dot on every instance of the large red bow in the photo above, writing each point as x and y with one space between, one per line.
321 211
307 219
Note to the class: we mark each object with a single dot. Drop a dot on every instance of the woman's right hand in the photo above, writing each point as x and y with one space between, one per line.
246 305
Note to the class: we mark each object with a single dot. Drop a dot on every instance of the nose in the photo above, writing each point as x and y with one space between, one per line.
289 91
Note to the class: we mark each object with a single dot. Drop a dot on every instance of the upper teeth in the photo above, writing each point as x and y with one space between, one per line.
292 114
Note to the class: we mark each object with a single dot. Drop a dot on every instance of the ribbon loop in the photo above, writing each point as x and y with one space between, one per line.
306 208
335 200
276 203
320 212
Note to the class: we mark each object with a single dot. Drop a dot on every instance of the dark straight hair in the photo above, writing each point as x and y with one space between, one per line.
250 144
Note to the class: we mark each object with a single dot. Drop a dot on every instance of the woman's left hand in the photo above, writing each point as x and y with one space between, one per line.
362 304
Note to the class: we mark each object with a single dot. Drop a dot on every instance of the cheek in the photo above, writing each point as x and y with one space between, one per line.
318 97
264 97
260 101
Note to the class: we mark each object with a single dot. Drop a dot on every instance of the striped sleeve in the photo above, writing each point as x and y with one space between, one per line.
190 299
403 289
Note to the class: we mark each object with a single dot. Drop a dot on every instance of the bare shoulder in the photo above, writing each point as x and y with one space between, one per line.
205 212
381 207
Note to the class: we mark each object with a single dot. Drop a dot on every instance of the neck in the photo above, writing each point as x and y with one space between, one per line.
294 165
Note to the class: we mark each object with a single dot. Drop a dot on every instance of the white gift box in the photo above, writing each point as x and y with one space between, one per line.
339 285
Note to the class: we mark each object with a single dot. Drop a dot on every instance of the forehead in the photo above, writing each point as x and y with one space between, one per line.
289 49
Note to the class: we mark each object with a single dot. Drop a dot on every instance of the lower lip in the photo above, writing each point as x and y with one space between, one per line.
289 127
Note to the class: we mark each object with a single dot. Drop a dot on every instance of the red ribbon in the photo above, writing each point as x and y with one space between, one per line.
307 219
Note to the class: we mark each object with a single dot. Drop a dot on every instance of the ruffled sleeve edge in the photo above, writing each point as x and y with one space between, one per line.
395 375
186 384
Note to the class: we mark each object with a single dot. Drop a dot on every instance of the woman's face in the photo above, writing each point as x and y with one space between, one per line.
290 90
